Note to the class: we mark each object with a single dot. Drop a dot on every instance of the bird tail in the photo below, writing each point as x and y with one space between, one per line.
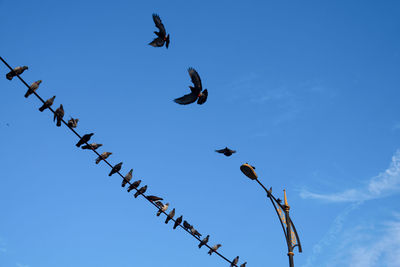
200 245
42 108
79 144
210 252
175 225
123 183
9 76
27 94
110 173
136 194
58 122
85 147
158 212
129 190
167 220
97 160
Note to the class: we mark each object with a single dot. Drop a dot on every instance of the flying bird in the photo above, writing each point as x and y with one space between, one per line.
187 225
47 104
214 248
204 241
73 123
235 261
140 191
127 178
196 91
154 198
195 232
162 36
170 216
162 209
226 151
134 185
103 156
34 86
84 139
93 146
115 169
59 114
16 71
178 221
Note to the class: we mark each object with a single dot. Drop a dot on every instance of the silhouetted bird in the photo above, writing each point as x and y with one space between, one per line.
226 151
134 185
187 225
16 71
127 178
170 215
214 248
84 139
162 209
178 221
279 200
235 261
243 264
195 232
73 123
204 241
93 146
47 104
59 114
103 156
115 169
162 36
154 198
196 91
34 86
140 191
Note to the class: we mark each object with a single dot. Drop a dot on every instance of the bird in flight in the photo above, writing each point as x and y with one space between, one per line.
226 151
197 92
162 36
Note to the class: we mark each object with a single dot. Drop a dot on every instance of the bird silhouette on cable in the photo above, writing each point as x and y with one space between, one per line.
214 248
178 221
140 191
163 209
73 123
93 146
162 36
195 232
197 92
127 178
235 261
84 139
34 86
170 216
187 225
103 156
47 104
115 169
204 241
59 115
226 151
16 71
243 264
134 185
154 198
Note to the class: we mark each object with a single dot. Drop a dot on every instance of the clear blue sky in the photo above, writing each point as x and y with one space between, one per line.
307 91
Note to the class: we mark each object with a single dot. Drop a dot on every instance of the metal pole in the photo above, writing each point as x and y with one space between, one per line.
289 232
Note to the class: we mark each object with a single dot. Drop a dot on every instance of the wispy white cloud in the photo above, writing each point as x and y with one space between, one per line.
382 185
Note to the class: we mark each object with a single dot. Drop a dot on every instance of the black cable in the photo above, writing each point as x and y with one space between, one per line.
111 166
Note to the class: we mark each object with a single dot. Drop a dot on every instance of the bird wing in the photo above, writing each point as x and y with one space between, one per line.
220 150
157 42
195 78
186 99
159 24
203 97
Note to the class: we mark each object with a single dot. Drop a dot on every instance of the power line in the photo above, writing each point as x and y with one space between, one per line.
111 166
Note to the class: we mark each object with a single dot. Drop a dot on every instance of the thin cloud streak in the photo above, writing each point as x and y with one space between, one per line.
382 185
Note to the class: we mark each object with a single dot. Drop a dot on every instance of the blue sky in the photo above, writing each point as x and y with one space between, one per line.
308 92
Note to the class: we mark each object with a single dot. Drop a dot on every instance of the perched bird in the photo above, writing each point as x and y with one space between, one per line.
279 200
187 225
162 36
214 248
170 215
59 114
73 123
84 139
159 204
93 146
204 241
154 198
134 185
16 71
226 151
140 191
115 169
162 209
34 86
196 91
243 264
47 104
178 221
103 156
127 178
195 232
235 261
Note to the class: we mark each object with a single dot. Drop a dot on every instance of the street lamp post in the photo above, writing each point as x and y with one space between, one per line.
289 230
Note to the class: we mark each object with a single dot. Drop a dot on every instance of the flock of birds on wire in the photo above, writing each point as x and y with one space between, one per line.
197 93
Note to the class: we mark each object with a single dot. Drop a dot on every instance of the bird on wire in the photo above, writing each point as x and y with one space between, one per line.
103 156
204 241
214 248
134 185
170 216
140 191
115 169
73 123
235 261
93 146
59 115
187 225
226 151
16 71
178 221
162 36
47 104
34 86
84 139
197 92
127 178
154 198
163 209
